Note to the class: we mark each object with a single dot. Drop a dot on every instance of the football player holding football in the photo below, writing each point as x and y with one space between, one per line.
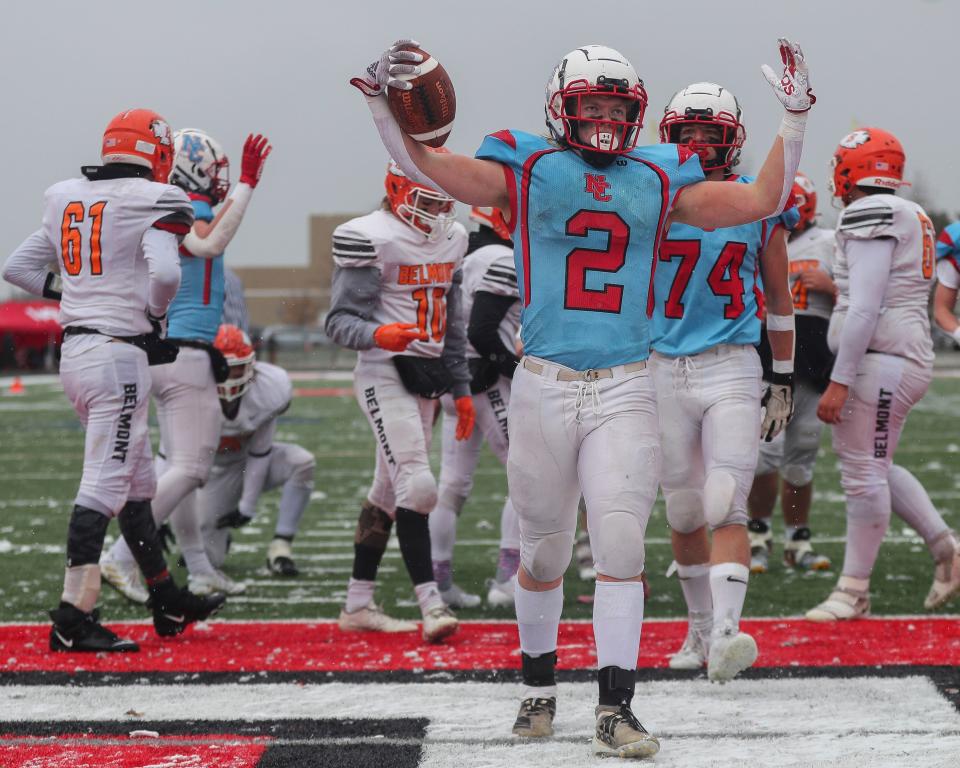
249 459
880 331
492 306
588 208
397 300
113 236
788 461
186 390
704 330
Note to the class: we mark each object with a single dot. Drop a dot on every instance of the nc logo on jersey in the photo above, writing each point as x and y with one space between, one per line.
855 139
597 186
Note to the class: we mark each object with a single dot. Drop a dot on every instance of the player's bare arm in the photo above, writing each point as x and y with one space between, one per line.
944 300
776 293
712 204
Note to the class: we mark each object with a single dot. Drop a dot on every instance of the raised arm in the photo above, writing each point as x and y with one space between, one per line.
467 179
715 204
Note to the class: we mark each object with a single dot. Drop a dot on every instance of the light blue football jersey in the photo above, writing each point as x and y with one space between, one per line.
948 245
707 288
196 309
585 241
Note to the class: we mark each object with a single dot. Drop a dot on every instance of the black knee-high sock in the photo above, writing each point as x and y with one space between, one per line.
413 532
370 541
140 532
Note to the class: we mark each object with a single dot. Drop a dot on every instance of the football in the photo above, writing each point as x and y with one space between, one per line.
425 112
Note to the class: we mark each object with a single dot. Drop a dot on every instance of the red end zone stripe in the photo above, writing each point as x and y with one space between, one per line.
322 647
85 750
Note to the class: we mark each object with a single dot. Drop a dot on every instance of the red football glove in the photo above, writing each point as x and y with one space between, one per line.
396 337
466 416
256 150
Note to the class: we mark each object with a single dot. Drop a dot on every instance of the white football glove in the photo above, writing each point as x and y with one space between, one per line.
382 72
793 87
777 402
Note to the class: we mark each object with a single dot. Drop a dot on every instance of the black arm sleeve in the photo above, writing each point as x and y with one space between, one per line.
488 312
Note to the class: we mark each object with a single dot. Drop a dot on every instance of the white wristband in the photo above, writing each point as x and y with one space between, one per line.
793 125
956 334
780 322
782 366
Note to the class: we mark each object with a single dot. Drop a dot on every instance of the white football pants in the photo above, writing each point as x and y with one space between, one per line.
108 383
598 437
402 425
709 407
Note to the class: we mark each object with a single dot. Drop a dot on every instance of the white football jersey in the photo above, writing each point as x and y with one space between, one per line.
813 249
416 274
903 327
492 269
96 228
268 396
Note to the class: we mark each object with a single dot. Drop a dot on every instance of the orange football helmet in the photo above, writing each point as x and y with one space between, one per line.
868 157
140 137
408 201
805 196
236 348
493 218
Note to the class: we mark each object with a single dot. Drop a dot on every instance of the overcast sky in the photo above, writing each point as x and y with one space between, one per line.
282 68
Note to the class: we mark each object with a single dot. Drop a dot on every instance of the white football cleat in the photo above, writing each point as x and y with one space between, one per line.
211 583
371 618
438 623
850 600
125 578
501 594
455 597
731 652
761 545
693 652
798 553
946 578
620 734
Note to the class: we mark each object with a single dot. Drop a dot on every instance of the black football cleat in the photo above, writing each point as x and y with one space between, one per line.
176 608
76 631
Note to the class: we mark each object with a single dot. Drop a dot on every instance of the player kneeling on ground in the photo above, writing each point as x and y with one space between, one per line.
249 461
396 299
880 332
113 237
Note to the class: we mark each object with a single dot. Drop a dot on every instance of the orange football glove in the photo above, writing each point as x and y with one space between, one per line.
396 337
466 416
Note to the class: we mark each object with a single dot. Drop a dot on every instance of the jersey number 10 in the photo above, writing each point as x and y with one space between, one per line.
71 241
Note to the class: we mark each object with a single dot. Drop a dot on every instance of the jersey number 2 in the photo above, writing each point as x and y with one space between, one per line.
71 241
610 259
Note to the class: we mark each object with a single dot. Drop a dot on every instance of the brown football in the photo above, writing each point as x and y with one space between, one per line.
425 113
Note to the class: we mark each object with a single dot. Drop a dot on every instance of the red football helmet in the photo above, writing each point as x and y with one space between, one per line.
235 346
493 218
420 207
805 197
868 157
140 137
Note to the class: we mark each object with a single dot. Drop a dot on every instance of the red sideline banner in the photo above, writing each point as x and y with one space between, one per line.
322 647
